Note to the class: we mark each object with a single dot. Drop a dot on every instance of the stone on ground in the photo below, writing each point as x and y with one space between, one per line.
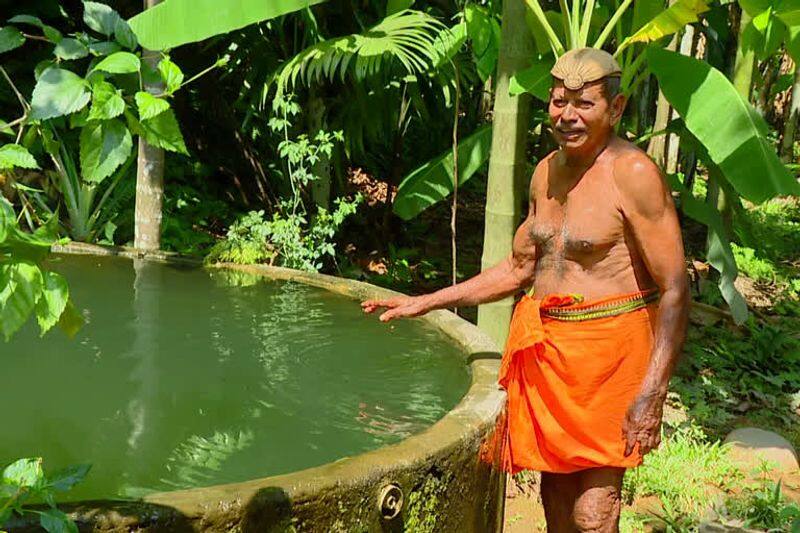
751 446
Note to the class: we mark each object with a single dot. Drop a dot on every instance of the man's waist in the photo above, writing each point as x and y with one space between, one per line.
573 308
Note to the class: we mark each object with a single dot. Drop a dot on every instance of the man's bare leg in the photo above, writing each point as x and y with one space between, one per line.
597 504
559 492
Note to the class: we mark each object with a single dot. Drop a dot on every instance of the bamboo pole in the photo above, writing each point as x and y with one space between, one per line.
507 162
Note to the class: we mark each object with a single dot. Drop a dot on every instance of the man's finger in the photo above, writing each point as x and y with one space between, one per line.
630 442
390 314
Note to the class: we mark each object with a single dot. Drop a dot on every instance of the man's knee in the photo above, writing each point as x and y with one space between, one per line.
597 510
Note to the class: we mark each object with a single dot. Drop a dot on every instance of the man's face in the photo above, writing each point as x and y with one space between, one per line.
582 119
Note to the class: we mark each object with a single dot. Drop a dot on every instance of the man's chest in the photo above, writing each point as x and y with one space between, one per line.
582 222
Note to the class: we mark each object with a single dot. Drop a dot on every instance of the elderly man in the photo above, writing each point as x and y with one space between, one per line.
591 349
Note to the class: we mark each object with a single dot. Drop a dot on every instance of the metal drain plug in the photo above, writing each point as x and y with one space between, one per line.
390 501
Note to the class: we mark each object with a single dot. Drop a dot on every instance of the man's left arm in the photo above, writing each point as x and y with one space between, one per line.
649 210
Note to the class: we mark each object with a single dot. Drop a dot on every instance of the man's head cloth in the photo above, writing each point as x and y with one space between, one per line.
583 65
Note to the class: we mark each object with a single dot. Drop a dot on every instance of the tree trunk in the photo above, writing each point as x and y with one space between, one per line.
507 161
320 187
149 174
657 147
673 144
790 126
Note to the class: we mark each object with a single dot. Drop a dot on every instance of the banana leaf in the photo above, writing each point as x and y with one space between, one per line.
176 22
667 22
733 133
433 181
720 254
535 79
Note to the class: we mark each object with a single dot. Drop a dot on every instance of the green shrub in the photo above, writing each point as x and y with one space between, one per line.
751 265
763 506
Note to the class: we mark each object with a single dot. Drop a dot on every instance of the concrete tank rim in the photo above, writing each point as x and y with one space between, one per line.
474 415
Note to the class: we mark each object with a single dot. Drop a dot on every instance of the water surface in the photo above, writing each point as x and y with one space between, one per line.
183 377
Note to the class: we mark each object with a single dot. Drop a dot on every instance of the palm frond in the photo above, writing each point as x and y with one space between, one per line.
408 37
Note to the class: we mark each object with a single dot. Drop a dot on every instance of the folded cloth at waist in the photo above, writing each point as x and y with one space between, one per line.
571 370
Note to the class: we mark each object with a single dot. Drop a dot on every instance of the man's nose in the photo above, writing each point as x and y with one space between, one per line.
568 113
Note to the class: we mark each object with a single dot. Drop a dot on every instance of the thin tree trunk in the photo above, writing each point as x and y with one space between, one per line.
790 125
673 144
507 162
454 206
320 187
149 174
657 147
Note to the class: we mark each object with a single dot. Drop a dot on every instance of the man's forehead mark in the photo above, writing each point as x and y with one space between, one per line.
584 90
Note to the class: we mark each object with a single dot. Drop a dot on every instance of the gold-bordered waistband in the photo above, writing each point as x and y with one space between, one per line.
601 310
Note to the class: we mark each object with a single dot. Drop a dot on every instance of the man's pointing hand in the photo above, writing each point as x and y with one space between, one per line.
397 307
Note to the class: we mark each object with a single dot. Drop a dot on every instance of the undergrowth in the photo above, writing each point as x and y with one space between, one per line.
684 473
735 377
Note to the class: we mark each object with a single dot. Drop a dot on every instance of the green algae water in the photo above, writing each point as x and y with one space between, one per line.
184 377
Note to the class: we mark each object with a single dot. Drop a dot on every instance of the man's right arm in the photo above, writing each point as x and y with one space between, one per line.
506 278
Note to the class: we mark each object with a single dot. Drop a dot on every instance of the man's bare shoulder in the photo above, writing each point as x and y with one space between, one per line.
541 170
638 179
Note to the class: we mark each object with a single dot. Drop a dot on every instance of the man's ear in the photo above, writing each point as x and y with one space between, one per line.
618 108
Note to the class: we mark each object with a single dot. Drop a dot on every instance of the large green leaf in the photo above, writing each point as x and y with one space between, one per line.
107 101
58 92
50 32
669 21
754 7
410 38
644 11
105 145
149 105
124 35
20 287
52 302
70 48
733 133
448 42
176 22
171 74
119 63
26 472
56 521
15 155
720 254
535 79
163 131
484 31
100 17
433 181
8 219
793 43
67 477
10 38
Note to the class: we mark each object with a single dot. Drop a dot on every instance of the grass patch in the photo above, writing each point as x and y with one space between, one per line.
684 473
762 505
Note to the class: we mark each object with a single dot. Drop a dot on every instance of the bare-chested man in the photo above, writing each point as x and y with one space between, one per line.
590 354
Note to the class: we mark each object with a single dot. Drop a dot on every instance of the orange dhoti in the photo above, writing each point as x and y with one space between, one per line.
571 370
